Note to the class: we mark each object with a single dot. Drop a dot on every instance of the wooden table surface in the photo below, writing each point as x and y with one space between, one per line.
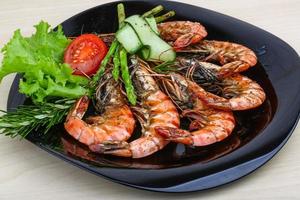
26 172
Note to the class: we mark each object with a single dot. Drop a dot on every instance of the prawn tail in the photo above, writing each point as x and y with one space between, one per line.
175 135
79 109
118 148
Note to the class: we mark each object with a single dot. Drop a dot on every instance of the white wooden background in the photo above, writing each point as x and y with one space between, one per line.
26 172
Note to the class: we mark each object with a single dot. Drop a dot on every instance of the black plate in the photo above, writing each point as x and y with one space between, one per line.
258 136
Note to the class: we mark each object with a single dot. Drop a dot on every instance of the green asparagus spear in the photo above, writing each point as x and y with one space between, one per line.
116 60
121 14
153 11
165 16
126 77
104 62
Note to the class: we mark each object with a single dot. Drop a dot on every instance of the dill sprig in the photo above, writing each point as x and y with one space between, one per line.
28 118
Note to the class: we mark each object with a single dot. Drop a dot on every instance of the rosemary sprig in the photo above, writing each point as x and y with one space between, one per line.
28 118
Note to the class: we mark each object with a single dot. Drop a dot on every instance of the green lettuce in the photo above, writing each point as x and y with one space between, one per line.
39 59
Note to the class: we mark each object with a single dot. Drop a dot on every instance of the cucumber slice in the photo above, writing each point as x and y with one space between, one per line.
159 49
145 52
152 23
129 39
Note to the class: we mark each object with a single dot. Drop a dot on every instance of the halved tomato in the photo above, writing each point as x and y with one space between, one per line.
85 54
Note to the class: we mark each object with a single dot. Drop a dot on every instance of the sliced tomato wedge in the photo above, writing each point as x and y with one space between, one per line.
85 54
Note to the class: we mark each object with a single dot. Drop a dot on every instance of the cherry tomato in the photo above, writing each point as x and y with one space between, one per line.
85 54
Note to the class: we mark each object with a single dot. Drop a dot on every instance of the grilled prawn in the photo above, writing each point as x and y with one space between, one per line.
209 125
237 92
233 57
244 94
182 33
156 109
116 123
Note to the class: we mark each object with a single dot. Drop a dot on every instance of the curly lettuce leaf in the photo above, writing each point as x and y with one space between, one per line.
39 58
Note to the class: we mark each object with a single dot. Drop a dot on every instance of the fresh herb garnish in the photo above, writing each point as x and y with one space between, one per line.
39 59
28 118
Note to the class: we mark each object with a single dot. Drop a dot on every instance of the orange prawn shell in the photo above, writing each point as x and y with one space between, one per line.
182 33
116 123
